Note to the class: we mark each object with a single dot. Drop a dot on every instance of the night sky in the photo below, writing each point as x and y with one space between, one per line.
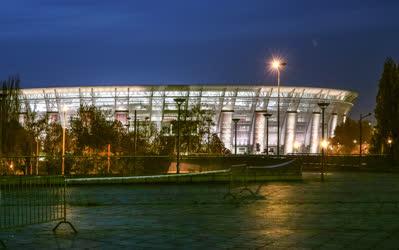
337 44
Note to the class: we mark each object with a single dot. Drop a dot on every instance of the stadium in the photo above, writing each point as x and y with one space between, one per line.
300 115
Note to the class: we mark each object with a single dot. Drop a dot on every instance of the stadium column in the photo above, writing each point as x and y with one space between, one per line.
259 131
290 132
314 136
225 128
333 124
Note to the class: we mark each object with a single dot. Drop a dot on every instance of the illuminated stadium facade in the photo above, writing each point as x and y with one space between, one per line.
300 116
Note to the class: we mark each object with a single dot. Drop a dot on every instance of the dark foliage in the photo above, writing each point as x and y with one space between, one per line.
387 111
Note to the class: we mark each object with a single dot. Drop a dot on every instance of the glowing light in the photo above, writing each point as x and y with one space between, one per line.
389 141
324 144
276 63
12 166
354 141
297 145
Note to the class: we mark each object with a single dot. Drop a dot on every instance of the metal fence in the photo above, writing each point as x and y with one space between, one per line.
28 200
242 174
154 165
342 162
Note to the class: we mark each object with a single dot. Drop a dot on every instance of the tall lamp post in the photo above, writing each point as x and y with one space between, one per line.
389 141
235 120
209 121
324 144
179 102
64 110
277 65
147 118
361 135
267 116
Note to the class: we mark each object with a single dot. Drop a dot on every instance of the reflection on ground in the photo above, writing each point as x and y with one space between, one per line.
348 210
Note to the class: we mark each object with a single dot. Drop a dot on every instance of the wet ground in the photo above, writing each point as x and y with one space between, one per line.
347 211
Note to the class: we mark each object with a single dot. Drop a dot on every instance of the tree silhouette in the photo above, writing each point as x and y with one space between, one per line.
387 110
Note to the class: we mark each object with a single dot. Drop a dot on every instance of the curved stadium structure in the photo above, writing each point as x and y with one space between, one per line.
300 116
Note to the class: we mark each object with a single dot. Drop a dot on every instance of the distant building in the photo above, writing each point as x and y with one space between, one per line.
300 116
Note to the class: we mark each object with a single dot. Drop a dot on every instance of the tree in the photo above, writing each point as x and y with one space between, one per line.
9 114
194 129
387 110
52 141
217 146
92 130
346 137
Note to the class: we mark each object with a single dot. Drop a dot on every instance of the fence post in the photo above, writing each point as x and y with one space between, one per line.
64 219
27 200
108 157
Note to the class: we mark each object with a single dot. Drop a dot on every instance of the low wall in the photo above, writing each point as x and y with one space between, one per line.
289 172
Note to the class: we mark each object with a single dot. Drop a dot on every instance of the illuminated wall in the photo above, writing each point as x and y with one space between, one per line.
290 132
227 129
315 133
243 101
333 124
260 123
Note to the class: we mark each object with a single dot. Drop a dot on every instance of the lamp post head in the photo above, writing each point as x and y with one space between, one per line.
364 116
179 101
267 115
323 105
276 64
389 141
235 120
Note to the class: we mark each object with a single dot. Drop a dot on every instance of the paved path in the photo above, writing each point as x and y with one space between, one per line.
348 211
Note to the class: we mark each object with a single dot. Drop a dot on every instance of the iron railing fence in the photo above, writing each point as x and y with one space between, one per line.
85 165
28 200
375 161
155 165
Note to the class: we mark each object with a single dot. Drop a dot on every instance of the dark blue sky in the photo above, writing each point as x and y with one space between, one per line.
337 44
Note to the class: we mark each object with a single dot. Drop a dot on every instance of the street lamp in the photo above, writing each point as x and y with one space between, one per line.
361 135
235 120
389 141
135 136
64 110
267 116
179 102
323 106
276 65
209 121
147 118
